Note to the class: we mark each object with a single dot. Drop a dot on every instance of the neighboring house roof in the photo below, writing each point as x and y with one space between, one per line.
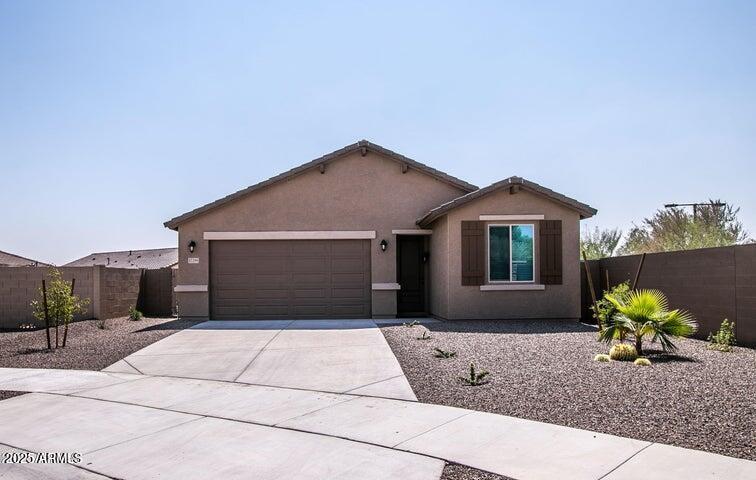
584 210
362 145
11 260
149 259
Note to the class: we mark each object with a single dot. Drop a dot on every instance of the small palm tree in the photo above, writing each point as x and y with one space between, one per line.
645 312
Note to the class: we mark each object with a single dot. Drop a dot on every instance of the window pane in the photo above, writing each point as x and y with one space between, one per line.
522 253
498 253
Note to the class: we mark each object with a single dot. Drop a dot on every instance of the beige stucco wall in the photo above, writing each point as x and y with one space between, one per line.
439 269
469 302
354 193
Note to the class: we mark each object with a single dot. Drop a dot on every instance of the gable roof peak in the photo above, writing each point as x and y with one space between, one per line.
359 145
583 209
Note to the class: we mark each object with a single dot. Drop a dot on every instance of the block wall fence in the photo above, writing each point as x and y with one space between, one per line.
111 291
711 283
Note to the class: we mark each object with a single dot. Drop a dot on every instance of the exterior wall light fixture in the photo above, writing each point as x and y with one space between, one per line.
384 245
192 245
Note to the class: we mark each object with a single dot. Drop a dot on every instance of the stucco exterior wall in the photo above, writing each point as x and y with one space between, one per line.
438 303
354 193
469 302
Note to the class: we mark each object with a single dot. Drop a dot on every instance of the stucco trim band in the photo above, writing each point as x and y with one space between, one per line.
386 286
410 231
496 218
190 288
512 286
293 235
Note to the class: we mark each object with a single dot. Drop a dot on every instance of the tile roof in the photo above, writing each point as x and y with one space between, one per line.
10 260
584 210
149 259
362 144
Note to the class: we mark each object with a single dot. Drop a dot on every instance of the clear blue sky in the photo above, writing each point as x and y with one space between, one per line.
116 116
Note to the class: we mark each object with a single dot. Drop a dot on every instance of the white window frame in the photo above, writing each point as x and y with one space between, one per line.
488 253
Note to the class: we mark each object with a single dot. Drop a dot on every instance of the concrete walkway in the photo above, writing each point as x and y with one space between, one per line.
346 356
132 425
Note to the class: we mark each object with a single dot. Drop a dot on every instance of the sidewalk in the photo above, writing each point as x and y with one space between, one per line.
132 426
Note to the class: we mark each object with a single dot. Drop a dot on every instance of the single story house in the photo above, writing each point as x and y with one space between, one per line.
366 232
150 259
12 260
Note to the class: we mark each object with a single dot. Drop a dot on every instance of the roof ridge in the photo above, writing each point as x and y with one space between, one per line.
175 221
25 258
584 209
132 250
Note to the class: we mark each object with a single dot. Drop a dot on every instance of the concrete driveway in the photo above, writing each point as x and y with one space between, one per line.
156 415
344 356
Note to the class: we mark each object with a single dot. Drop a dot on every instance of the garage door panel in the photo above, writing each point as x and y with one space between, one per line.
348 279
340 293
270 311
354 249
347 265
232 278
306 279
315 293
269 265
233 294
307 264
311 310
320 248
271 293
348 311
269 279
261 250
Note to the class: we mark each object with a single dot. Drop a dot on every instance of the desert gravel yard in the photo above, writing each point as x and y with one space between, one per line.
89 346
544 370
455 471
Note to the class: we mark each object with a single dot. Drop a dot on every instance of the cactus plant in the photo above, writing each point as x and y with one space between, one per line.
444 353
643 362
475 378
623 352
424 336
601 357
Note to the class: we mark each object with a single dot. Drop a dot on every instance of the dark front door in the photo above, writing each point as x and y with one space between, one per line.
411 258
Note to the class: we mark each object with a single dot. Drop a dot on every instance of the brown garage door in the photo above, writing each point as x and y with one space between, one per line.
278 279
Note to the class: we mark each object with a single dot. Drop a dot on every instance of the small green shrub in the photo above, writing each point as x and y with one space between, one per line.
444 354
475 378
411 324
724 339
134 314
425 336
623 352
643 362
601 357
645 313
604 309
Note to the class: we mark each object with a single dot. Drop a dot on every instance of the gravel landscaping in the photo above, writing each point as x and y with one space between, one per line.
455 471
544 370
89 346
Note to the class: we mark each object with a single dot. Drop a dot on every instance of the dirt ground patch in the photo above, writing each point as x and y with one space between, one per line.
544 370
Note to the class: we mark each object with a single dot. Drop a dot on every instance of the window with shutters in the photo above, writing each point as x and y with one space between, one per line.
511 253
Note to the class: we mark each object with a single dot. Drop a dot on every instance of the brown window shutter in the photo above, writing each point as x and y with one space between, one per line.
550 250
473 252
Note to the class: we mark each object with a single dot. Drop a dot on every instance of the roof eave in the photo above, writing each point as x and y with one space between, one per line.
584 210
175 222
